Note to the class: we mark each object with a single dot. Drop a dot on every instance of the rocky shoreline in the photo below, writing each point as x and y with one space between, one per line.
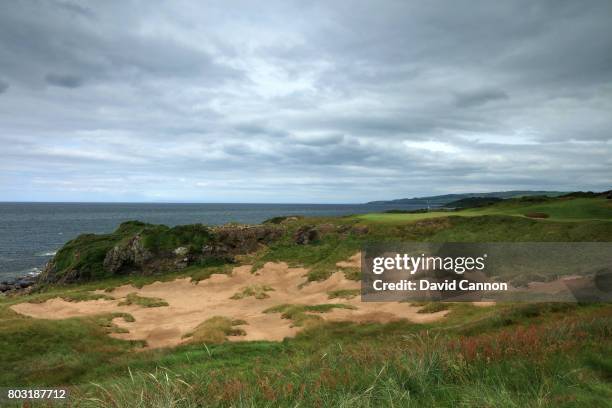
18 285
146 249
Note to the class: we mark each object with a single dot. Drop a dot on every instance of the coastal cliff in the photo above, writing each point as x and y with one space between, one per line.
139 248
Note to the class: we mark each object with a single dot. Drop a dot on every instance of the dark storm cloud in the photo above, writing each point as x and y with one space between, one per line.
349 101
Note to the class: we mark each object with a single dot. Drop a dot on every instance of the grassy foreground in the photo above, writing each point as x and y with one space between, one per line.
510 355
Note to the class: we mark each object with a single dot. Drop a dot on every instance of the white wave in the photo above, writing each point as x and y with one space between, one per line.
34 272
50 253
20 274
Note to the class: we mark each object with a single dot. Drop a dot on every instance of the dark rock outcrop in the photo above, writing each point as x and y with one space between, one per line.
348 229
132 253
138 248
225 243
231 240
360 229
306 234
49 273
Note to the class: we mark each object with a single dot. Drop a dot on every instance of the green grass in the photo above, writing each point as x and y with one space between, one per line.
570 209
432 307
159 238
84 255
343 293
204 271
569 219
510 354
305 315
106 321
256 291
82 258
70 296
320 257
85 296
215 330
545 358
54 352
557 209
134 299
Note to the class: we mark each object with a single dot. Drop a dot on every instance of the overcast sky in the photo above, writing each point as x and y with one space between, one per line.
282 101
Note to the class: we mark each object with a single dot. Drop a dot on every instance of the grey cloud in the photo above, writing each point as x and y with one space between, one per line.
260 129
109 48
76 9
318 140
351 101
479 97
64 80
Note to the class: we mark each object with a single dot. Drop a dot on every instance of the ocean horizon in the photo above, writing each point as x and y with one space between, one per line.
32 232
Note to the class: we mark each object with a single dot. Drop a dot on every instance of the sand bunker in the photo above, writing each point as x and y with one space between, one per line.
192 303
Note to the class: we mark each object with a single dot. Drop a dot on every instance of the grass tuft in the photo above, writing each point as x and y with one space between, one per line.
257 291
134 299
302 315
432 307
85 296
343 293
215 330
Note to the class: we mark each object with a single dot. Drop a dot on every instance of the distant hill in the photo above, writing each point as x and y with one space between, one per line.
440 200
473 202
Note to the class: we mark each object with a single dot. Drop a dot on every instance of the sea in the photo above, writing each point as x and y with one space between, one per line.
31 233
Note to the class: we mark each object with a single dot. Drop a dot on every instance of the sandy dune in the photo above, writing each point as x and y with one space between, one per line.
191 303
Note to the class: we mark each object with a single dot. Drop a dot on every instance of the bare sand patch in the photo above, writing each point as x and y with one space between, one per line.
189 304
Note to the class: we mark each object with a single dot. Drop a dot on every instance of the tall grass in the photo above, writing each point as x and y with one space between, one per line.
532 366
